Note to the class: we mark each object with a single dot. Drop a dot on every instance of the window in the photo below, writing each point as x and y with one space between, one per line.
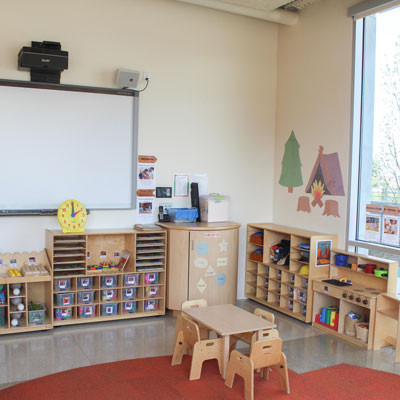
374 211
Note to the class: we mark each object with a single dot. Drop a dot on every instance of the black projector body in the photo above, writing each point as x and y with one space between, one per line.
45 60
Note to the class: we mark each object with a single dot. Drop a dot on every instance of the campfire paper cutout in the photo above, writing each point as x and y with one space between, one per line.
326 180
291 165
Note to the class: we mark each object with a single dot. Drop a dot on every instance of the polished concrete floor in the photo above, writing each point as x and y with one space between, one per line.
32 355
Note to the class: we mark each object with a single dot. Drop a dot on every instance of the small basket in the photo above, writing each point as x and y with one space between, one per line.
257 255
350 326
257 238
362 330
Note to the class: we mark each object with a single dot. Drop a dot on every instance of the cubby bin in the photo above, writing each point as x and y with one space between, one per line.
87 311
151 305
292 278
129 307
64 299
86 297
109 310
62 284
152 291
109 281
302 296
151 278
130 293
63 313
131 280
85 282
36 313
109 295
2 316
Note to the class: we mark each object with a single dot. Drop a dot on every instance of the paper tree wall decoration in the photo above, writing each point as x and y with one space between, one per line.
291 165
325 178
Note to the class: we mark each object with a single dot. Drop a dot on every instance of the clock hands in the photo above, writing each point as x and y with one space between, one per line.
73 213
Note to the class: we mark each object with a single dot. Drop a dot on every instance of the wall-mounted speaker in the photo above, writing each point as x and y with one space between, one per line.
127 79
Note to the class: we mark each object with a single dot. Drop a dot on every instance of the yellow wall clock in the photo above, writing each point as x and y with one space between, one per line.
72 216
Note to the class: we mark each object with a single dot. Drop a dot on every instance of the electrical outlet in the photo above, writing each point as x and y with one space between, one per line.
146 76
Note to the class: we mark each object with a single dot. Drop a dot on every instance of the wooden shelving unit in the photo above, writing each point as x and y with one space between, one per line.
36 289
361 297
387 326
147 260
278 286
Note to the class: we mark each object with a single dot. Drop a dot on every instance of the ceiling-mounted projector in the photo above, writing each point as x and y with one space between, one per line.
45 60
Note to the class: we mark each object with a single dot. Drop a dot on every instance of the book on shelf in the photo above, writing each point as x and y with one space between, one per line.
147 227
123 260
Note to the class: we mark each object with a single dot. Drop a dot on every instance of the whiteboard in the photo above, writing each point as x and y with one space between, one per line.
60 142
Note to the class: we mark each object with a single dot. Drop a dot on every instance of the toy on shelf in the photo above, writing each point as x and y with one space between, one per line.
103 267
328 317
14 273
3 294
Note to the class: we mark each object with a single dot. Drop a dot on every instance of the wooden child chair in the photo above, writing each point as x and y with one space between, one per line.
187 305
251 337
201 350
263 354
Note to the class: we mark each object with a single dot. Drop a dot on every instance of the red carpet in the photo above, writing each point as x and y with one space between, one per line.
155 379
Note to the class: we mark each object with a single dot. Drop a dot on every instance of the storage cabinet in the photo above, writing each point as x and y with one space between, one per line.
30 289
286 287
360 297
202 262
82 295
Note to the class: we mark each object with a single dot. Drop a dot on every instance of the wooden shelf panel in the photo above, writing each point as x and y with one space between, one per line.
390 312
73 321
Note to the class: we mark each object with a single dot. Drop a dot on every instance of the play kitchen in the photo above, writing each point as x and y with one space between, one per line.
344 304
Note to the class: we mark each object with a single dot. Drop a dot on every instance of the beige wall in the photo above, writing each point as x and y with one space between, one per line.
210 106
314 99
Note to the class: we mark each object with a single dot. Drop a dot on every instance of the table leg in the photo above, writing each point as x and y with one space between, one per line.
225 354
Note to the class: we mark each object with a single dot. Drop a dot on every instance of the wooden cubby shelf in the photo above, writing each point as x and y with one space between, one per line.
146 261
272 281
32 289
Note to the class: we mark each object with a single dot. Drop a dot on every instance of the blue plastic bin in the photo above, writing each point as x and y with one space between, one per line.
183 214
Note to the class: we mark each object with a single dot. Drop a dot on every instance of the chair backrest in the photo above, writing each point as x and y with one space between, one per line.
190 329
264 314
187 305
269 334
265 353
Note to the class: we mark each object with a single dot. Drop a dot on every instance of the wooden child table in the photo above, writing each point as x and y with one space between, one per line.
227 320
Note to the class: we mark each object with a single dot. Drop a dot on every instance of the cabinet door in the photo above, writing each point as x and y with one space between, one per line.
177 272
213 266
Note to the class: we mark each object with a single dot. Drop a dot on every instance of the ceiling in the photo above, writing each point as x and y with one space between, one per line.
281 11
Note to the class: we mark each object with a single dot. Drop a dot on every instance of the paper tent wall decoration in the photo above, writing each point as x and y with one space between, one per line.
326 179
291 165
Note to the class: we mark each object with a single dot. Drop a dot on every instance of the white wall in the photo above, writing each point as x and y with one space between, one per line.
210 106
314 100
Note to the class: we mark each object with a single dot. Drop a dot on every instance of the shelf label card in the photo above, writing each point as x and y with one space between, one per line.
212 234
221 279
210 271
202 248
200 262
222 261
201 285
223 246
